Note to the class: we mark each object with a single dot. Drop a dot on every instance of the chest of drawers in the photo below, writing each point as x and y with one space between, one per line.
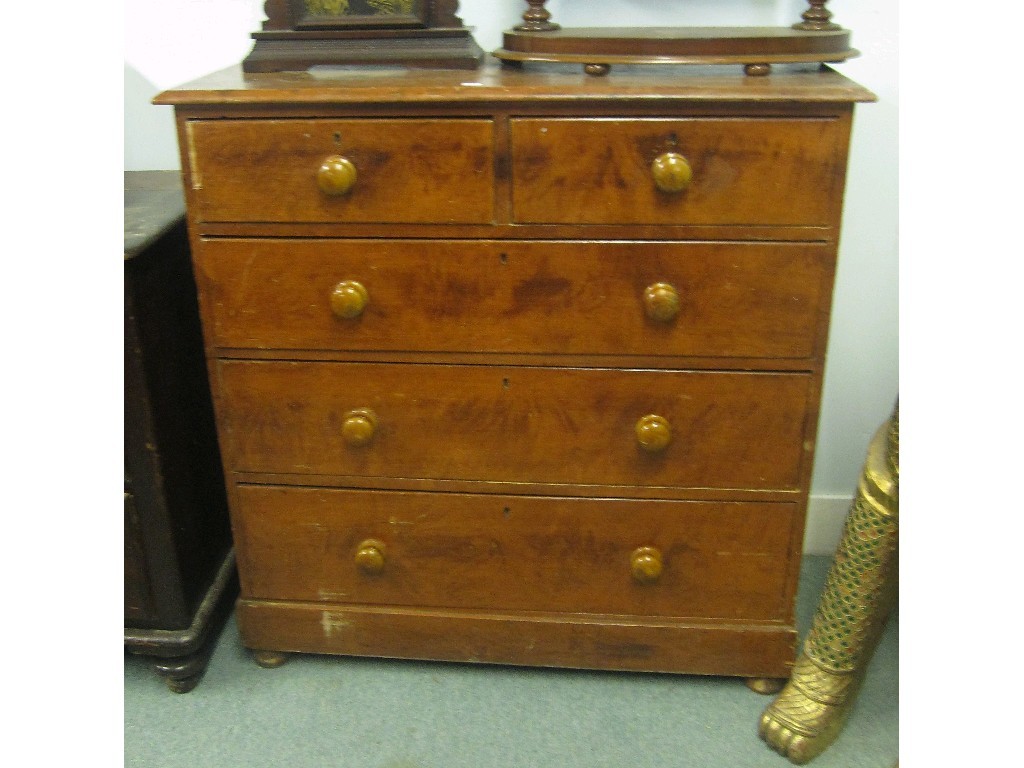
518 367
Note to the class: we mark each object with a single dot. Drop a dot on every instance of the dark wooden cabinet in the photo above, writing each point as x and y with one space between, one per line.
179 577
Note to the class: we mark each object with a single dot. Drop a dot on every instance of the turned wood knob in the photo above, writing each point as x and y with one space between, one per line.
370 556
661 301
653 433
359 426
645 564
336 175
671 172
348 299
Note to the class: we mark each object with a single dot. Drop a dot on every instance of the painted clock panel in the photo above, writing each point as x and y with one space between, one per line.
363 8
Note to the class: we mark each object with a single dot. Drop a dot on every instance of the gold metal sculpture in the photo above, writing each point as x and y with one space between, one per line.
860 591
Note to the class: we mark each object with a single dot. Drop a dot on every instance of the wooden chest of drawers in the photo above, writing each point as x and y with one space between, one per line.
518 367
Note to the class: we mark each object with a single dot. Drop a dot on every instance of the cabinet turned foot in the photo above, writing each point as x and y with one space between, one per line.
182 673
269 659
183 684
765 685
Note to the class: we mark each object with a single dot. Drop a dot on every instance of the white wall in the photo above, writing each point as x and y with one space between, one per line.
168 42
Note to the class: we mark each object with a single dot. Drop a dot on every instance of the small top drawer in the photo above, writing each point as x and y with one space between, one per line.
700 171
378 171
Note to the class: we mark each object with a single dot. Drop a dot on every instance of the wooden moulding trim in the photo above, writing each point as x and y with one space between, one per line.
231 92
166 642
680 43
728 496
515 231
672 363
601 58
298 54
417 33
535 639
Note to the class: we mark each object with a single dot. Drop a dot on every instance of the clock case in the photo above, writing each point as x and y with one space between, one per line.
430 36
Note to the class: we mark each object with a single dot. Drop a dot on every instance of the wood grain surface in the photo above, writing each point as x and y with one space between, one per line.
547 425
745 171
443 460
408 170
721 560
551 640
736 299
665 86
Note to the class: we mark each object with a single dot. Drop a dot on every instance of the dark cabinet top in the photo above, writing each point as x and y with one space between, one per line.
153 203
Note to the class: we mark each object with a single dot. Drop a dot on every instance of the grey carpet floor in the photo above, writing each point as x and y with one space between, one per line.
339 712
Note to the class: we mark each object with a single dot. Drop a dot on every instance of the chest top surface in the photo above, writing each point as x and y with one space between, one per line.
494 83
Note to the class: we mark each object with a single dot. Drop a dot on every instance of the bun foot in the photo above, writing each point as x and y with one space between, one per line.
182 674
765 685
269 659
183 684
757 70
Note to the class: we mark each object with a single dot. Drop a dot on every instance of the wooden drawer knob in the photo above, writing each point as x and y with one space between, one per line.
653 433
672 172
336 175
348 299
662 302
370 557
645 564
359 426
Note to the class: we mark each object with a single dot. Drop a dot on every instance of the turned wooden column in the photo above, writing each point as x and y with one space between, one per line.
816 18
536 18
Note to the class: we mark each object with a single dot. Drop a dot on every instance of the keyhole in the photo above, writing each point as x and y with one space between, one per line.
337 138
506 383
503 258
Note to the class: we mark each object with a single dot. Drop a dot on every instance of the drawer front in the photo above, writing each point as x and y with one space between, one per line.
718 560
412 171
743 171
515 424
699 299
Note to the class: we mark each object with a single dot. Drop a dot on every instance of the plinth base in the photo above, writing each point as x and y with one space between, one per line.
181 656
296 51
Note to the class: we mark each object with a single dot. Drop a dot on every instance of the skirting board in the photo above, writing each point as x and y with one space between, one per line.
825 518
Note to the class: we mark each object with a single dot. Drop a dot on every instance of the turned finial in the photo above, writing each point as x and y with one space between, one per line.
816 18
536 18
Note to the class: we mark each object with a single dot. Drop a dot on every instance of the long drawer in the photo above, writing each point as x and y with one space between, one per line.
515 424
767 171
643 298
404 171
713 560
